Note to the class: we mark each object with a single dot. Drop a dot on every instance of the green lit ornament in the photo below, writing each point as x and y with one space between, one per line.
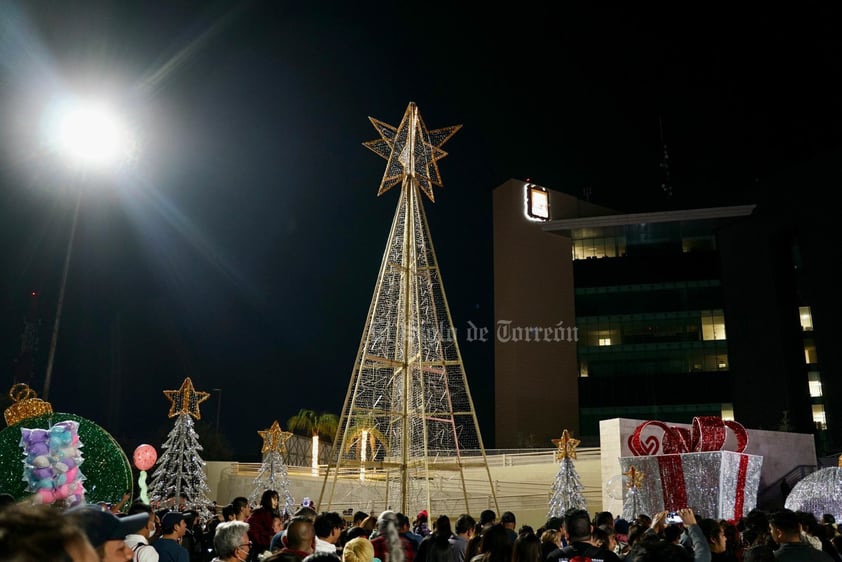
108 474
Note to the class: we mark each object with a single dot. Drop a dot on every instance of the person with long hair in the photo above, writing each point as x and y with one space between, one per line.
261 522
436 546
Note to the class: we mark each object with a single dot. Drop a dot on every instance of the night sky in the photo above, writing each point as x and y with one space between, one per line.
241 246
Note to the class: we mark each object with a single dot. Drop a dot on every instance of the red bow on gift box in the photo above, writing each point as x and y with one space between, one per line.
708 434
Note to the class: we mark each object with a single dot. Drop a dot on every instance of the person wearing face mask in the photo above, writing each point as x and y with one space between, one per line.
139 542
231 542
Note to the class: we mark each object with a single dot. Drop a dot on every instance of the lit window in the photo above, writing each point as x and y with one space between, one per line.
604 341
810 355
583 369
819 417
806 316
713 326
815 384
728 412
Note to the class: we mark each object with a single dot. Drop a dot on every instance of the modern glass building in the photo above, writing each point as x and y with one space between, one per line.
672 312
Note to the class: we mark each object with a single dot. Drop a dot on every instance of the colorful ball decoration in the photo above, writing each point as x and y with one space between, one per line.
145 456
106 469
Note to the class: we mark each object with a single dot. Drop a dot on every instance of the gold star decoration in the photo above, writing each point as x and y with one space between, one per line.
274 439
186 400
566 446
635 477
410 150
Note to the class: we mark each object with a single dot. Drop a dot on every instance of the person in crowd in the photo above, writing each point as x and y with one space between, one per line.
231 542
465 526
716 541
139 542
356 528
106 532
527 548
495 545
242 508
34 533
261 520
303 512
786 532
405 530
168 545
509 522
421 526
328 526
550 541
603 536
389 544
577 526
358 549
299 541
487 518
436 546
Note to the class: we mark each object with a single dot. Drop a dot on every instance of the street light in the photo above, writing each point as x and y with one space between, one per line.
92 138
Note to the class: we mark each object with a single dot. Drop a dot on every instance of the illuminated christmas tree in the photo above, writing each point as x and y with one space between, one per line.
180 471
567 487
408 429
273 470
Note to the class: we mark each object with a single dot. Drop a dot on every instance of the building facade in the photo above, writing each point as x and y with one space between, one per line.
676 314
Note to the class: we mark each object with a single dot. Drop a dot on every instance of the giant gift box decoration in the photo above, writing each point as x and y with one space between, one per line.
688 468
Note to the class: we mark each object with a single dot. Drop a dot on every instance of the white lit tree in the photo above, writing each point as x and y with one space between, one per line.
567 487
273 470
180 472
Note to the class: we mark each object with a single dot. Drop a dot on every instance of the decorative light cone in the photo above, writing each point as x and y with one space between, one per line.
408 430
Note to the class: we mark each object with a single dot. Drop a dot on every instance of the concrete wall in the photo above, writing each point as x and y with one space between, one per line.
523 481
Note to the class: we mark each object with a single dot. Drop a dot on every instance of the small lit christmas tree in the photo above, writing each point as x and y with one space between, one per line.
273 470
567 487
632 503
180 471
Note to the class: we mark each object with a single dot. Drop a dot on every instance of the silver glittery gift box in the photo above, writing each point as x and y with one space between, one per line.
716 484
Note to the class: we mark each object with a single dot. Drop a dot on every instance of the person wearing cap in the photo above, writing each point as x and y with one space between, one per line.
173 528
106 532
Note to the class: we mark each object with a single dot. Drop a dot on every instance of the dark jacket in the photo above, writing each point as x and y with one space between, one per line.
582 549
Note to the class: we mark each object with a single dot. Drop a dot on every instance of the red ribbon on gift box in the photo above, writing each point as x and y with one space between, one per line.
708 433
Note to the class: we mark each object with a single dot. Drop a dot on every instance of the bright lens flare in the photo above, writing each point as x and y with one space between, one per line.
92 135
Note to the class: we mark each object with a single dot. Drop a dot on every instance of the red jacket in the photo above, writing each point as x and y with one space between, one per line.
380 548
260 528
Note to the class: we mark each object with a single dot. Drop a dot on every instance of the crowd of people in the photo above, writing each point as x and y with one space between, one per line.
238 533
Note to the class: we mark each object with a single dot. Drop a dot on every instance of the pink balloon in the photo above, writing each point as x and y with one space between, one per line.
71 474
145 457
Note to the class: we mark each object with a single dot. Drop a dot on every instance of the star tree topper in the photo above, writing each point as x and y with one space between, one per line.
566 446
186 400
274 439
395 144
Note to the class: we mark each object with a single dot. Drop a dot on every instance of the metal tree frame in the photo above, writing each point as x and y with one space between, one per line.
408 428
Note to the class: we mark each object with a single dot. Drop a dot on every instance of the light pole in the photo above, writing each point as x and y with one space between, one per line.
92 138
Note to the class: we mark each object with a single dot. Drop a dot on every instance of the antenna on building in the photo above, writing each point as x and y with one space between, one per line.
666 186
587 191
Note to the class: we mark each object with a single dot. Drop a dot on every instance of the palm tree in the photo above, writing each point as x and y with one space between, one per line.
307 421
365 435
